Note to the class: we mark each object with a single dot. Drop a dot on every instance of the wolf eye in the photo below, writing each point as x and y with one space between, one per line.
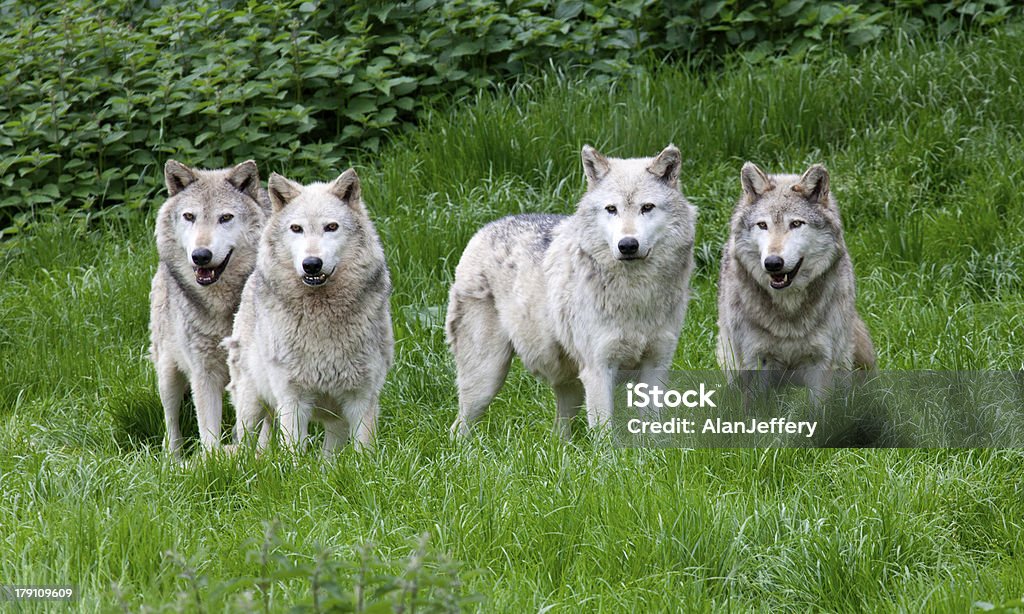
611 209
189 217
331 227
227 217
296 228
796 223
646 208
762 225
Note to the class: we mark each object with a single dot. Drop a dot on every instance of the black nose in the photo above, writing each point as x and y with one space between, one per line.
629 246
312 265
202 256
774 264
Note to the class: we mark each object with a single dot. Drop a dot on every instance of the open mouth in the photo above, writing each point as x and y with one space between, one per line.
315 280
782 280
205 276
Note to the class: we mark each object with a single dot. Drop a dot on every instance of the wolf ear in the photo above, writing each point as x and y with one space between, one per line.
595 165
755 181
346 187
666 165
246 179
177 176
282 190
813 184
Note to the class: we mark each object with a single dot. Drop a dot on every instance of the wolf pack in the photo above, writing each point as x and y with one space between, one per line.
281 296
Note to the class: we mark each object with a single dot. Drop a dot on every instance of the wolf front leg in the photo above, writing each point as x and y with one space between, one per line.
335 435
820 382
171 385
597 387
248 412
656 363
362 413
568 398
294 414
208 395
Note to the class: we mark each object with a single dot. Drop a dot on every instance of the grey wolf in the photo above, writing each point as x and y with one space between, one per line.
207 234
313 335
578 298
786 287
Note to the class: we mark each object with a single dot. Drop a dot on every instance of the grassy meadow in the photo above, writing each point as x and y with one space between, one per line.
924 143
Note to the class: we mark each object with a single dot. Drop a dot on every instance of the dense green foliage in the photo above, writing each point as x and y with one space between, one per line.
98 94
924 142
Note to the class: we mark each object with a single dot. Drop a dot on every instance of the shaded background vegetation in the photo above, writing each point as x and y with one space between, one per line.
98 93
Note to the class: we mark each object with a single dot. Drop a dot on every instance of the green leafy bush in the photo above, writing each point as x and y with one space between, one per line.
98 93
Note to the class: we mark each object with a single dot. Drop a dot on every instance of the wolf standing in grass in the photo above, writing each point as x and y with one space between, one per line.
207 234
313 334
577 297
786 291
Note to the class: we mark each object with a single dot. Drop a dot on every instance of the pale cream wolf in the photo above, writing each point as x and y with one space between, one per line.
786 290
313 335
207 233
578 297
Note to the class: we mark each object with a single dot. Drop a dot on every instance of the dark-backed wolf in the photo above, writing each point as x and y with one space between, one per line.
207 233
786 287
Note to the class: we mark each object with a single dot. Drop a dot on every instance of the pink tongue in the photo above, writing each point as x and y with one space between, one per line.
204 273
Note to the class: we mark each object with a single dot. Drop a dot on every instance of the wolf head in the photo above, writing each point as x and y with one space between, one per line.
211 222
786 229
316 228
633 202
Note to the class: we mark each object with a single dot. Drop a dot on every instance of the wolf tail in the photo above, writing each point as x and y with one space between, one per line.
863 350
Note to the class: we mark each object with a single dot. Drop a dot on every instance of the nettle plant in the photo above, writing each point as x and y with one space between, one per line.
422 581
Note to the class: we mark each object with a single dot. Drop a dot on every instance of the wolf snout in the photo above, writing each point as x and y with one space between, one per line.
629 246
201 256
774 264
312 265
313 273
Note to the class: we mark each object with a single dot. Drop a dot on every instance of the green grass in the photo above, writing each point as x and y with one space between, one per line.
925 147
